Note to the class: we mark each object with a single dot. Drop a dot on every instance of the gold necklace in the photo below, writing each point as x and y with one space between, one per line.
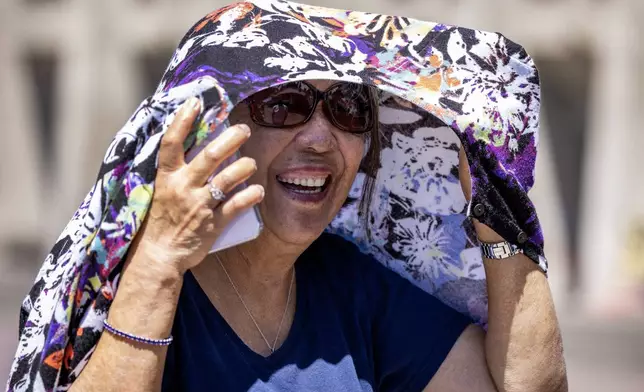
288 301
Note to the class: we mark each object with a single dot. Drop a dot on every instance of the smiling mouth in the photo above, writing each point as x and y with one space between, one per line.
310 185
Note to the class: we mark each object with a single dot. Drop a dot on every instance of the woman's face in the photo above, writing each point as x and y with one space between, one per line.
306 171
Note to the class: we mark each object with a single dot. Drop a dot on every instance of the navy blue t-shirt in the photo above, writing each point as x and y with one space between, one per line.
357 327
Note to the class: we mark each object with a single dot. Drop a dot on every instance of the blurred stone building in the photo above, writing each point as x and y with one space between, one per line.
72 71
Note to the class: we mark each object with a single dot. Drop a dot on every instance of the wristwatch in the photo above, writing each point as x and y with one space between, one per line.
499 250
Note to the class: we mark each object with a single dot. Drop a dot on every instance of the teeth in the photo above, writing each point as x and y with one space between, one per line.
316 190
308 182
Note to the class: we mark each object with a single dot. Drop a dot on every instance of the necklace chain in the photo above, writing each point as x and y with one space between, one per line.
288 301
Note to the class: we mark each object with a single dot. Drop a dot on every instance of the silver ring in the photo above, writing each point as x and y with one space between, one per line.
216 193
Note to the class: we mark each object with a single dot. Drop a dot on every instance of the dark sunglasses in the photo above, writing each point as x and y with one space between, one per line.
348 106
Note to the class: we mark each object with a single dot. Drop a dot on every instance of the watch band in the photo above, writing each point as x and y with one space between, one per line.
499 250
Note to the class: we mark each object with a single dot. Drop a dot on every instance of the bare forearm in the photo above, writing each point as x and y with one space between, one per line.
524 350
145 306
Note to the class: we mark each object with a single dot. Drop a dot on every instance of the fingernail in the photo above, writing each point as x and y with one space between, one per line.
191 104
244 128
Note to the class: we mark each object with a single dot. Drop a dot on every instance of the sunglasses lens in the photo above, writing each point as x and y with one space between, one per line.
283 106
351 107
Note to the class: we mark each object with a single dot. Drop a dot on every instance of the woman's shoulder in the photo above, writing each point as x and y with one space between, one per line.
344 266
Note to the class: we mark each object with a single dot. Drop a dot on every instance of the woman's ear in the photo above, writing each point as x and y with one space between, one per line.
464 174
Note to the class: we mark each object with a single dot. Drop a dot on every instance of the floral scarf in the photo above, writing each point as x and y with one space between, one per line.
441 87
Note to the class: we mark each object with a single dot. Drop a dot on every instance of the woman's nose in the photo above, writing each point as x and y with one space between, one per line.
318 133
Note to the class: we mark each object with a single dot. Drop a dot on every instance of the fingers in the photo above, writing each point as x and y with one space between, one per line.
171 154
238 203
235 174
225 145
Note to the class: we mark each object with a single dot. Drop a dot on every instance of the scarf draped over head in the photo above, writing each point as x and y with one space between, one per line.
441 87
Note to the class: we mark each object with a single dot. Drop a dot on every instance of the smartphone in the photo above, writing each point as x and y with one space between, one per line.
246 226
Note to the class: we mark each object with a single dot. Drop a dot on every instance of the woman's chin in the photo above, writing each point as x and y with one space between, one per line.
295 228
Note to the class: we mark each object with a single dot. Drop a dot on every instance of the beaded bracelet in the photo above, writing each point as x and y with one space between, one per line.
139 339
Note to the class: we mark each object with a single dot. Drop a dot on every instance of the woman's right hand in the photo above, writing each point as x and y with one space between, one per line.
184 220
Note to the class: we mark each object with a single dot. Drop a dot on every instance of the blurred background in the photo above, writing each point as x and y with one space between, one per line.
72 72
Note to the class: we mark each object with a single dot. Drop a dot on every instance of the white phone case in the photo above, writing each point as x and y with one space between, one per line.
246 226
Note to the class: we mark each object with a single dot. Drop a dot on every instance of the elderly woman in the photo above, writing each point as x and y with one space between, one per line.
295 309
